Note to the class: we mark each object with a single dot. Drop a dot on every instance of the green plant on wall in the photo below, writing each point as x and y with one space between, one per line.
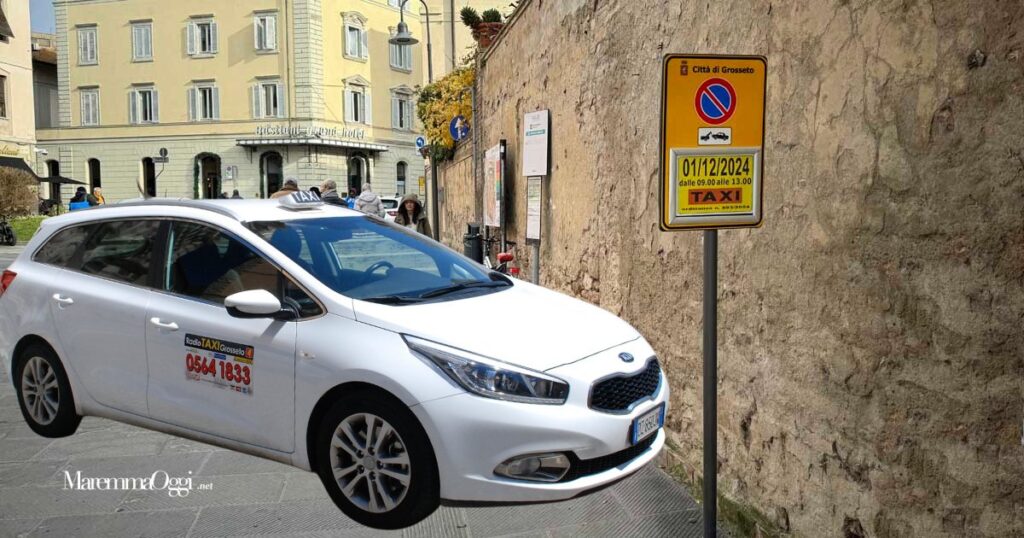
441 101
470 17
491 15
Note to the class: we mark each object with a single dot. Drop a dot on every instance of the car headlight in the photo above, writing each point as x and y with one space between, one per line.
491 378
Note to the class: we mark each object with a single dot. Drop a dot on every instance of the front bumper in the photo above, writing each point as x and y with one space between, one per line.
471 435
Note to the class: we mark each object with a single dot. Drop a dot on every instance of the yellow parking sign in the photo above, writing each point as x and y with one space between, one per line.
712 141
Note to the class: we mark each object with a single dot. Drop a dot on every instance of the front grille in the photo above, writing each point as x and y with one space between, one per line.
579 468
617 394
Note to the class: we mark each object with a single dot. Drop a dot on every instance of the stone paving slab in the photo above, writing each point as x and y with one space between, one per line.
163 524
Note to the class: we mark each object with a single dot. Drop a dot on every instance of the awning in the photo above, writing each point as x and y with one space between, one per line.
61 179
18 164
309 141
5 27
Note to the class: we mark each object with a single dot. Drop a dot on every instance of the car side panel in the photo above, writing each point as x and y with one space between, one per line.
25 310
333 350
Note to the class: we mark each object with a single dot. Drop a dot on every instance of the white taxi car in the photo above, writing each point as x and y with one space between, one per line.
330 340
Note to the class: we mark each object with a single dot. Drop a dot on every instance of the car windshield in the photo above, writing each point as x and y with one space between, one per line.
389 203
368 259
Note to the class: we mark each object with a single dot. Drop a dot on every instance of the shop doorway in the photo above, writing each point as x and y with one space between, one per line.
53 170
149 176
208 175
272 170
358 173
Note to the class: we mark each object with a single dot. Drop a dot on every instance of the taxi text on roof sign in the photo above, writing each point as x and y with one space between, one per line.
712 141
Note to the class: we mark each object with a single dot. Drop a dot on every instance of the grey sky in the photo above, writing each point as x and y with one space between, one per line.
42 16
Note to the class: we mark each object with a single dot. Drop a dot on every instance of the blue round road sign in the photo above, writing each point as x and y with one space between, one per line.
458 128
420 142
715 101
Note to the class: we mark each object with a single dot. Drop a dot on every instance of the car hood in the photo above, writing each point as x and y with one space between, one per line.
525 325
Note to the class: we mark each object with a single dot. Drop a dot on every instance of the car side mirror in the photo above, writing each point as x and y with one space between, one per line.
257 304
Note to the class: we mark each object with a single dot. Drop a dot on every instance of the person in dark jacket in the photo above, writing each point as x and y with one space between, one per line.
235 195
411 215
330 195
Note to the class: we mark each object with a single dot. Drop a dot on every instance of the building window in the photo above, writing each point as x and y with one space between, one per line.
90 106
202 37
356 40
398 4
149 176
265 31
268 99
142 41
143 106
401 108
87 46
94 174
203 102
401 57
358 105
3 96
400 176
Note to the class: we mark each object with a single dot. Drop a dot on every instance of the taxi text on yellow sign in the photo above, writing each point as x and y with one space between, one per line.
712 141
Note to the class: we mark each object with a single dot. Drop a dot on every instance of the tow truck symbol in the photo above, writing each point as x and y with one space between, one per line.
716 136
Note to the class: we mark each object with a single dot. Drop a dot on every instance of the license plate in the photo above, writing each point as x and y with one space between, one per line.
648 423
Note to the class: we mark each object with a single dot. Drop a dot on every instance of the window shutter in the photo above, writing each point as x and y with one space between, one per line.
257 102
395 113
147 41
81 46
190 38
350 41
364 39
156 107
394 55
347 98
216 102
193 95
91 51
133 108
213 37
256 23
282 102
136 43
84 113
368 104
271 28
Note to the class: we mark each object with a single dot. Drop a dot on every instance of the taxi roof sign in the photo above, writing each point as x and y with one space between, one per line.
712 141
301 200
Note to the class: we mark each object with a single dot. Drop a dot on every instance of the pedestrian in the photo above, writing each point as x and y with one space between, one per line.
235 195
223 196
96 198
351 200
369 203
79 200
411 214
315 190
330 193
290 185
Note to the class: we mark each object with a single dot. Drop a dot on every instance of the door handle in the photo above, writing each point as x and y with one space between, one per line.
63 300
172 326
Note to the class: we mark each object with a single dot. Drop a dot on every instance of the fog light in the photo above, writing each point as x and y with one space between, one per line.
536 467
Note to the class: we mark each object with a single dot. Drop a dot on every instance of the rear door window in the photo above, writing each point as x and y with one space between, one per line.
61 247
121 250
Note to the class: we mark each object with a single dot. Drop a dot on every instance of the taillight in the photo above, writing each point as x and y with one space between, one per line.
5 280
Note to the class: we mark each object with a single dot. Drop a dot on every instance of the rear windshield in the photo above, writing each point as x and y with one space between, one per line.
372 260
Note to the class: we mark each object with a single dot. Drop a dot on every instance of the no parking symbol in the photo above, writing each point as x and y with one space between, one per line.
715 101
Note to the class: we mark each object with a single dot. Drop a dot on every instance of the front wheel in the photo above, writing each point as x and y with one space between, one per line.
376 461
44 393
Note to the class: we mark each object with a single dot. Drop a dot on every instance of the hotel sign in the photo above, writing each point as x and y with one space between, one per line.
311 131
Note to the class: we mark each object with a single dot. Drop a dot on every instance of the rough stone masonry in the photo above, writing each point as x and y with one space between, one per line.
872 331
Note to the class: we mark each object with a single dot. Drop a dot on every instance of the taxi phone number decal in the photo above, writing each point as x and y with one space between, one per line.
224 364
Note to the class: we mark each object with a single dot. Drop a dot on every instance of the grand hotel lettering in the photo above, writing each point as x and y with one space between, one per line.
311 132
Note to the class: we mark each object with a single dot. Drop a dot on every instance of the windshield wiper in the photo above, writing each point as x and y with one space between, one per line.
393 299
464 285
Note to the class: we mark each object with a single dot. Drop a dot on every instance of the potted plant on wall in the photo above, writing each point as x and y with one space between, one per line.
484 28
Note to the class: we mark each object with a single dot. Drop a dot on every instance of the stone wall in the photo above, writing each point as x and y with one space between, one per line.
871 352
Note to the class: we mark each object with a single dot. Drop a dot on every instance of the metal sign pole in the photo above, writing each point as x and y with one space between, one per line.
710 382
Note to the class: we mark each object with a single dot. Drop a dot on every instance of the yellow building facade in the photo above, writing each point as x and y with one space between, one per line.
194 98
17 112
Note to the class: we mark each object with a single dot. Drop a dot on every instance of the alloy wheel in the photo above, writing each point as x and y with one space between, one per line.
370 462
40 390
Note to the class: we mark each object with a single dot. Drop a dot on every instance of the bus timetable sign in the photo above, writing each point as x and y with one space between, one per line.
712 141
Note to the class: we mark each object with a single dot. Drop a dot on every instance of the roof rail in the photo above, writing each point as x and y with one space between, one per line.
179 202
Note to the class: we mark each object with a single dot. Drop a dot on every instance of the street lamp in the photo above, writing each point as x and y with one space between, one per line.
404 37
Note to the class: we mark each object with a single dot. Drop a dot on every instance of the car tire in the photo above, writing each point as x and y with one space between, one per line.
367 489
44 393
